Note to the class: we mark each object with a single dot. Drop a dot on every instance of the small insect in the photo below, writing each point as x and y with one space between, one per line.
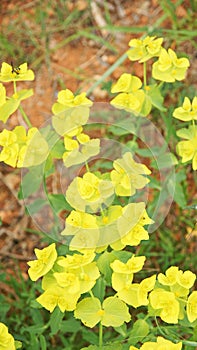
15 69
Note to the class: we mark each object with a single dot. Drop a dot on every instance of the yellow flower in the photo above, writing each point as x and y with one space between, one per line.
192 307
6 339
136 294
127 83
166 304
170 68
188 149
133 265
131 102
188 111
128 175
79 147
161 344
90 192
21 150
67 98
84 228
144 49
45 260
70 111
171 276
10 73
60 297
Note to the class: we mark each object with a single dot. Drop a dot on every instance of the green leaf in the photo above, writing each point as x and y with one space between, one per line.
35 206
23 94
99 289
118 131
139 331
18 344
43 343
59 202
163 161
106 258
113 346
179 195
103 264
90 337
55 321
91 347
31 182
58 149
156 98
70 326
178 188
146 152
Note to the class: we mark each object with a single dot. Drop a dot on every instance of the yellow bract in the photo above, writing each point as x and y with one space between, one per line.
192 307
144 49
67 98
188 149
60 297
45 260
161 344
6 339
166 304
188 111
128 175
21 150
10 73
136 294
133 265
169 68
89 192
127 83
113 312
79 147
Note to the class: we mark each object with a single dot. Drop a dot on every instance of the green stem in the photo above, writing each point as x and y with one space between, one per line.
91 294
144 73
100 336
25 117
87 167
102 212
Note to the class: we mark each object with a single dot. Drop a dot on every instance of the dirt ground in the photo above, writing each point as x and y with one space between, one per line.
76 65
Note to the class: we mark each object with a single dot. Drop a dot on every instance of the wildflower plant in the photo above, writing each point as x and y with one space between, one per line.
98 279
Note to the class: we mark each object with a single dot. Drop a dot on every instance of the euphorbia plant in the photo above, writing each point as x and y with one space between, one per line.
96 279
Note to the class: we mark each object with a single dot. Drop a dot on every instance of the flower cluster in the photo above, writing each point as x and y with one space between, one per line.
170 296
134 294
70 114
139 98
188 149
64 278
95 221
21 149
